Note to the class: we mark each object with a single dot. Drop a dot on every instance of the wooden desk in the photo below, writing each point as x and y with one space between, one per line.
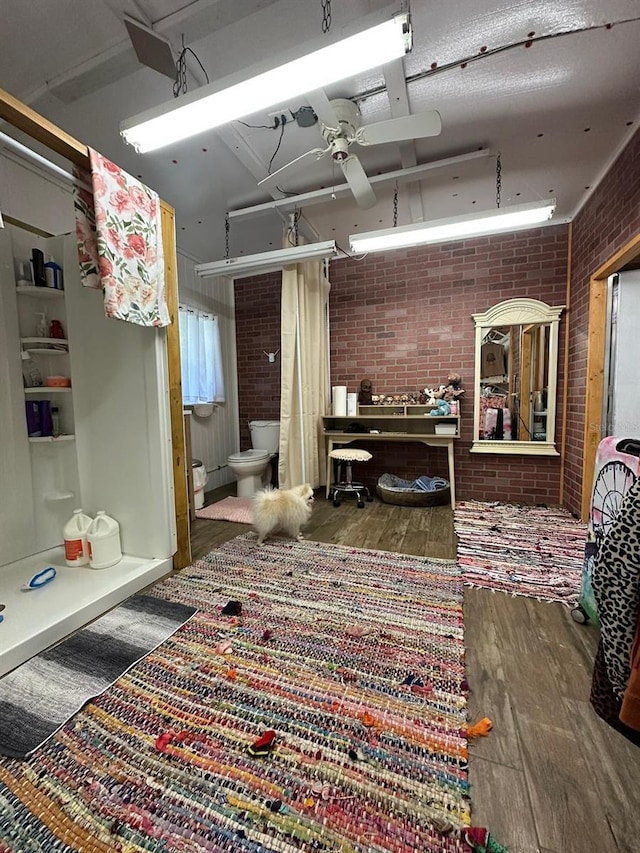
412 428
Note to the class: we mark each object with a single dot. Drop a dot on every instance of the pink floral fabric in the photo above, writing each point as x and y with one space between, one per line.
118 229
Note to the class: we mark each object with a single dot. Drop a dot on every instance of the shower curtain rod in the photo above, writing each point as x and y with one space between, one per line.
25 151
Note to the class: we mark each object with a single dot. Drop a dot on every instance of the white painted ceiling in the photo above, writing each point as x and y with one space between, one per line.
549 85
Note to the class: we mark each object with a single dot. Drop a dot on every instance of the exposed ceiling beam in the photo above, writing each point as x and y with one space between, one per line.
239 146
395 80
318 196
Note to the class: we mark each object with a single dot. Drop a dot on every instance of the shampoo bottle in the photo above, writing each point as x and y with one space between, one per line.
37 262
53 274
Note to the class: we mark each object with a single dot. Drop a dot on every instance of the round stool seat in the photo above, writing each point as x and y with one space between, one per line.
351 454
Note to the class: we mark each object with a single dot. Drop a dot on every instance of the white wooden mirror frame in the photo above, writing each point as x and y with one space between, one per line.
516 312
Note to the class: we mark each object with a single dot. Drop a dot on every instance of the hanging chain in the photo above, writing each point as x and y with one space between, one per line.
296 218
498 180
180 83
395 205
226 235
326 16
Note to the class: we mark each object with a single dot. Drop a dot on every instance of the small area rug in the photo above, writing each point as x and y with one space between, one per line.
354 659
42 694
533 551
228 509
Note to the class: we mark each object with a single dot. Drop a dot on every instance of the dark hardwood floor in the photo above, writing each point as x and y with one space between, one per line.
551 777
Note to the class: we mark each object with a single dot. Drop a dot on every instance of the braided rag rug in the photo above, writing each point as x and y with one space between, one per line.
533 551
355 659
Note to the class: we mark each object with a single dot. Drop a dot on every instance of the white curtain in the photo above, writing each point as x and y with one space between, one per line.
304 375
201 357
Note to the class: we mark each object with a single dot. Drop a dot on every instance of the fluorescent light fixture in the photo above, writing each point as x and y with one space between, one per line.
206 108
513 218
267 261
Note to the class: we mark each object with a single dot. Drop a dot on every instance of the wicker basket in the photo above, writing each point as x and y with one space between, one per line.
404 497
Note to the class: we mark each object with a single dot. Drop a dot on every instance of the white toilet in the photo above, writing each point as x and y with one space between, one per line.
252 468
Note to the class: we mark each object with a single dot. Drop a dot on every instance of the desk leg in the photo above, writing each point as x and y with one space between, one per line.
329 465
452 476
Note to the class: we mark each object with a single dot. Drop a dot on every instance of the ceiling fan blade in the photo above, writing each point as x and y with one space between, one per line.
358 181
398 129
293 166
321 105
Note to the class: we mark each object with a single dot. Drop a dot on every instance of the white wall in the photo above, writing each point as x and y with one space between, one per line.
214 438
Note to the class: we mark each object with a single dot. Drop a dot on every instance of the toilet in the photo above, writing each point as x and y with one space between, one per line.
252 468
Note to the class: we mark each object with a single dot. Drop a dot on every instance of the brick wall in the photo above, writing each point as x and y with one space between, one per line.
403 319
610 218
257 331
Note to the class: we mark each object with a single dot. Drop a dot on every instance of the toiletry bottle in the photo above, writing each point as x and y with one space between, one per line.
30 373
56 330
46 424
37 262
42 329
24 275
55 420
53 273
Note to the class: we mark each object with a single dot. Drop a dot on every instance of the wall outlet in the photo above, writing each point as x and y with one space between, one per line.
288 116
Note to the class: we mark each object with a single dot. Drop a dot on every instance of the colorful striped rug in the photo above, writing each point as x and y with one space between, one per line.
353 659
523 550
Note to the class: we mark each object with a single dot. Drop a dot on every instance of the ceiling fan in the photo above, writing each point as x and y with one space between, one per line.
340 126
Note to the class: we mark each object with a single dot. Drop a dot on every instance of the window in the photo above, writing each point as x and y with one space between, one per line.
201 356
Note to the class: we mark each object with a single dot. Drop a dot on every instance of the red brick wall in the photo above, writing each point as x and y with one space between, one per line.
257 331
403 319
610 218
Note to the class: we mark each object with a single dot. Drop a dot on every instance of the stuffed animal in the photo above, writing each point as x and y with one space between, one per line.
442 409
364 395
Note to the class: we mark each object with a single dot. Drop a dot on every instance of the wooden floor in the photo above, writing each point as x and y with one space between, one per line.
551 777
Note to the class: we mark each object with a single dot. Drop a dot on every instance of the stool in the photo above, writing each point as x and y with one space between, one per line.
347 486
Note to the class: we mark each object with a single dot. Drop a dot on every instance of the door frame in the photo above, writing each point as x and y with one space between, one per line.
596 357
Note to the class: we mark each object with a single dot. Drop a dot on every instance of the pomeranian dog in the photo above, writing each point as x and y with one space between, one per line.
282 510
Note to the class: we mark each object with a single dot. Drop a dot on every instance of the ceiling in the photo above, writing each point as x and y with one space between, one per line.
552 86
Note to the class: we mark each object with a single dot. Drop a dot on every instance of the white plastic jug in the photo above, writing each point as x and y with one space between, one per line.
76 549
103 538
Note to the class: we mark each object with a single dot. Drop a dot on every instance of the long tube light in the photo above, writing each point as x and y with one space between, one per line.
206 108
512 218
267 261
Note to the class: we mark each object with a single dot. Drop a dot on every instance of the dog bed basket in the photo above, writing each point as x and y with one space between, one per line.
394 490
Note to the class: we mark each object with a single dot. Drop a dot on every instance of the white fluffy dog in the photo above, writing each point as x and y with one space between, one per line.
284 510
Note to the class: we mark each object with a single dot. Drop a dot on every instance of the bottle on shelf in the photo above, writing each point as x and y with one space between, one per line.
55 420
56 330
37 263
42 328
30 373
23 278
53 274
46 422
34 428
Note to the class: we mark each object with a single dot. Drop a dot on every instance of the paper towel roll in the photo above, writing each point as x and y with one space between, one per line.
339 398
352 405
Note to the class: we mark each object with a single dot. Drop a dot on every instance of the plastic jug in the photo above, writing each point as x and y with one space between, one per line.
103 538
76 548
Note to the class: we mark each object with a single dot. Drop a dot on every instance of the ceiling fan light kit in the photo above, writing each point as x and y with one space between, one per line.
265 262
206 107
514 218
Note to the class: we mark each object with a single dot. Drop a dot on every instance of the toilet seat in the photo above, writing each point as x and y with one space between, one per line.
249 456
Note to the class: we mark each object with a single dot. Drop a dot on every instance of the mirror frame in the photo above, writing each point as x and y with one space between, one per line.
516 312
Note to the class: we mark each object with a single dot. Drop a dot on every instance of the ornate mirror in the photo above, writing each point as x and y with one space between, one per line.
516 378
